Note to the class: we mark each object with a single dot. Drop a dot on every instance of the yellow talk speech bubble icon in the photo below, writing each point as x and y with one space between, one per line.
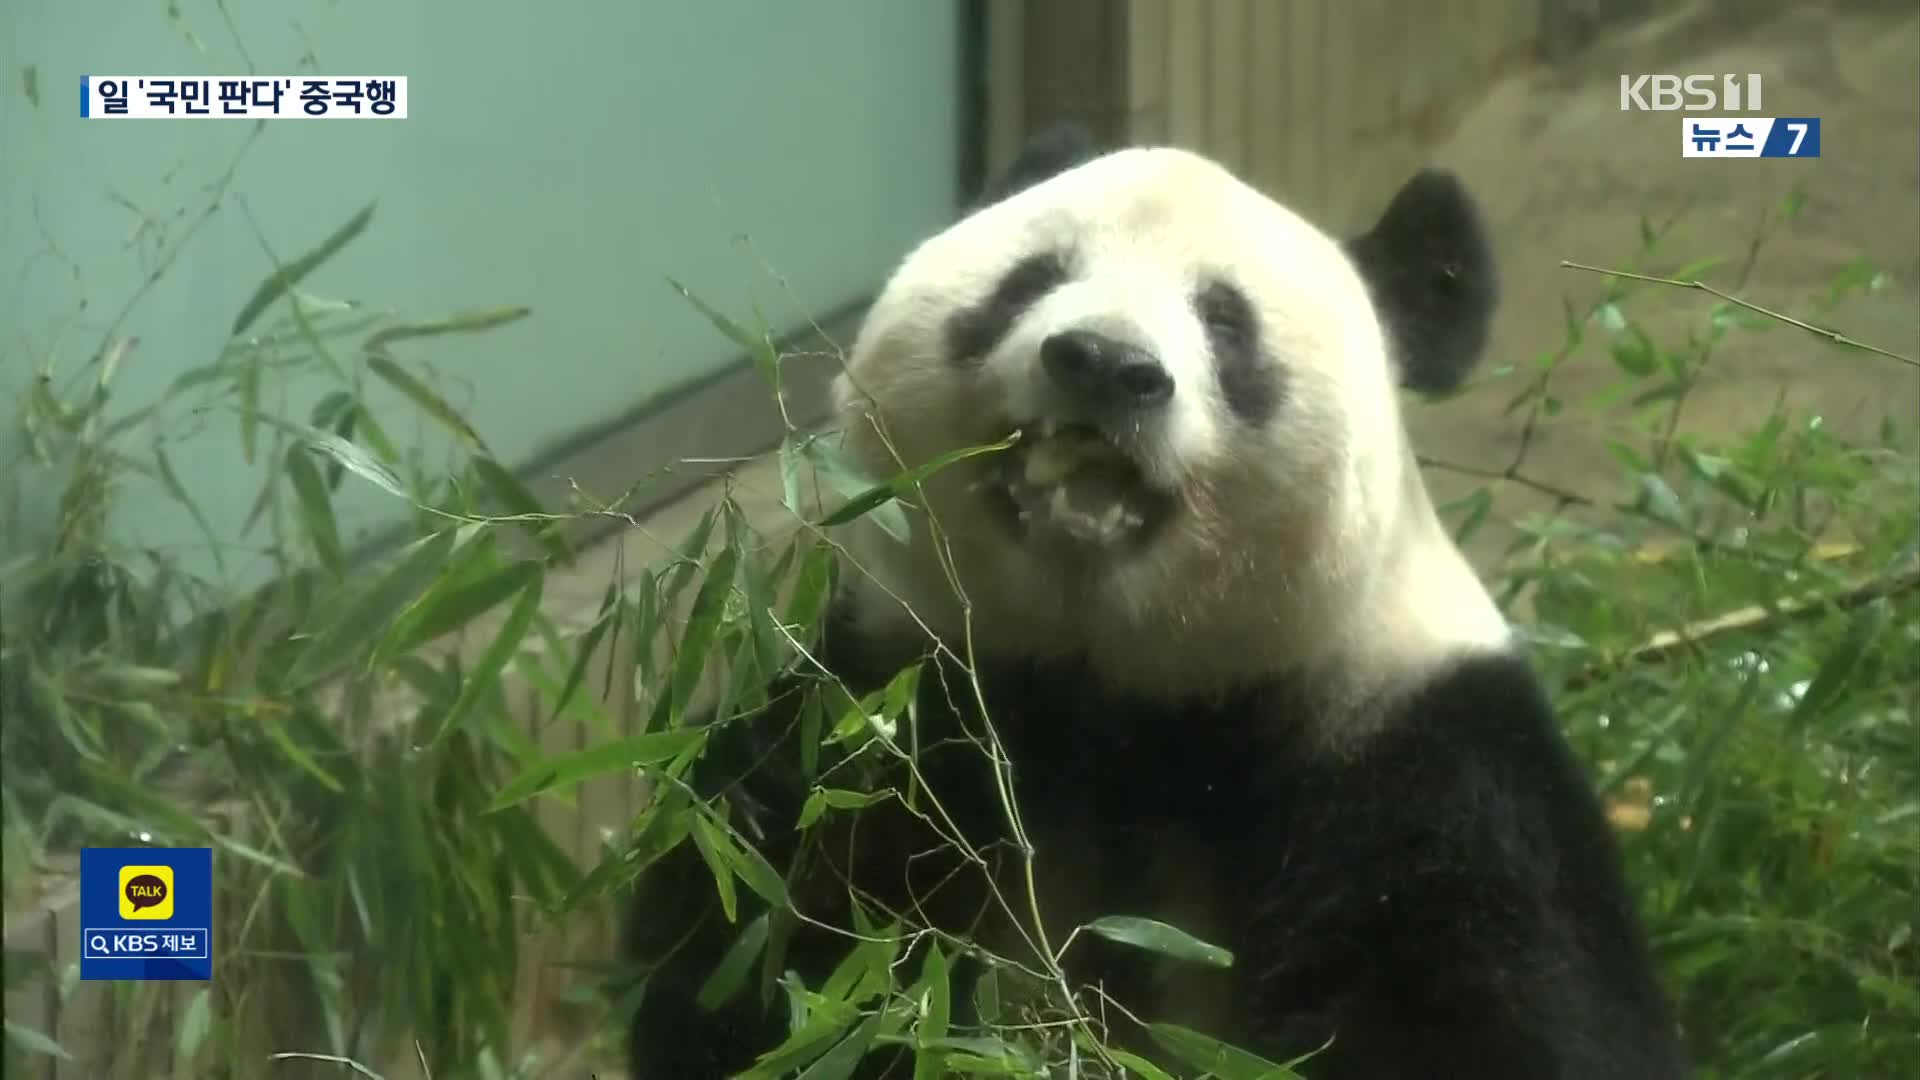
146 892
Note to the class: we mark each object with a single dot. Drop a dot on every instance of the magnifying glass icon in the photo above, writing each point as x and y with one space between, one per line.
98 943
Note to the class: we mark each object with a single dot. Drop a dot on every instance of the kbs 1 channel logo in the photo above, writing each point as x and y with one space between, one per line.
250 97
146 914
1730 136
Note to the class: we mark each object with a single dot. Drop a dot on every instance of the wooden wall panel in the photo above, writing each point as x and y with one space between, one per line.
1320 102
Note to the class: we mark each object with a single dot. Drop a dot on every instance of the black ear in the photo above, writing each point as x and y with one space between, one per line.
1047 153
1430 268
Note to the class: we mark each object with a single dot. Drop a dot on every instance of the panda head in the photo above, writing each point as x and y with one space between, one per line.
1211 484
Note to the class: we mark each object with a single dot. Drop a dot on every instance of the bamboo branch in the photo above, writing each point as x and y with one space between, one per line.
1662 645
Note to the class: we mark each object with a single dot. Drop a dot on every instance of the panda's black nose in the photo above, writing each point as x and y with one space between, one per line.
1106 372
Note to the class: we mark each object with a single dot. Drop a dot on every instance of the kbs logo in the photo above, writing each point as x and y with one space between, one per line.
1691 93
146 892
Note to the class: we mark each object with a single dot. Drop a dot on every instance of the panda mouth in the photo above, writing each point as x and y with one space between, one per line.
1071 482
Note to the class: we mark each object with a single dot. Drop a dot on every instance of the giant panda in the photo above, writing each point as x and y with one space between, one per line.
1243 682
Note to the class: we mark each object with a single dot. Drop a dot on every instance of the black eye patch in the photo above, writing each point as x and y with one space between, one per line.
1250 382
974 331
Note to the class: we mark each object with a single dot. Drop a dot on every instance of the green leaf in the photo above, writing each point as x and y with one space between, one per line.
731 973
423 396
286 277
33 1042
822 798
907 481
571 769
757 873
1660 503
316 508
937 1010
843 477
363 621
467 322
703 624
1159 937
1841 663
766 641
1637 356
1219 1059
791 458
715 847
839 1062
758 347
194 1026
354 459
801 1047
1135 1063
812 588
454 602
485 674
1478 504
277 734
610 608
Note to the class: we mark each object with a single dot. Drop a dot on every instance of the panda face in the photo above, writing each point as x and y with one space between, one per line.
1203 400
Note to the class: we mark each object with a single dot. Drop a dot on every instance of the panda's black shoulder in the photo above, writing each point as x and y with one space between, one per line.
1459 834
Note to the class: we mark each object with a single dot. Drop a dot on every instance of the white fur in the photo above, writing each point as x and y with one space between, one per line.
1309 546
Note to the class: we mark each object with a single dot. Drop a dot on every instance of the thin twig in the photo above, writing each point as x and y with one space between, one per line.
1831 335
333 1059
1564 496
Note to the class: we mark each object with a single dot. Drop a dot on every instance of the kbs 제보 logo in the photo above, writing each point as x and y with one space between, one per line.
146 913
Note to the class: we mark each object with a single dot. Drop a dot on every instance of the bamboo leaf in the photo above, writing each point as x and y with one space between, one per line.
570 770
289 275
846 1055
1159 937
486 671
875 496
731 973
364 621
455 602
610 608
1219 1059
424 396
1839 666
354 460
316 509
703 625
714 846
466 322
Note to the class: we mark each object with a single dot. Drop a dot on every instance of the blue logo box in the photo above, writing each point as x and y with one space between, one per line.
146 914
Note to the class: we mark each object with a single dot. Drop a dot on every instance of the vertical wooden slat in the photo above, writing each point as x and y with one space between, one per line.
1226 82
1187 74
1006 88
1267 97
1340 73
1305 88
1147 70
